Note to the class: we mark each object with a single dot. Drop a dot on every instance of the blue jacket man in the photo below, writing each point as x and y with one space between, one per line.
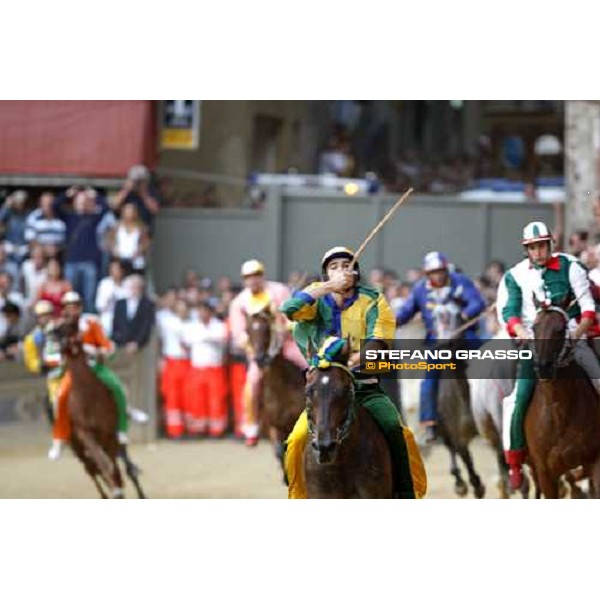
445 301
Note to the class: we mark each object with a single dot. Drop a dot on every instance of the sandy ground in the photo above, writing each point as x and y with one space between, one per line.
197 469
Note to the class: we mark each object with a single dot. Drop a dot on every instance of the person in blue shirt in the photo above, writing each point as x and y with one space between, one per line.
82 255
445 300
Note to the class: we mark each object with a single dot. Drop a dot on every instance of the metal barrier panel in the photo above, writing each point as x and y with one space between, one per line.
296 226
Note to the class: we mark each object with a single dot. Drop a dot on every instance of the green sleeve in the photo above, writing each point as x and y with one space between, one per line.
514 304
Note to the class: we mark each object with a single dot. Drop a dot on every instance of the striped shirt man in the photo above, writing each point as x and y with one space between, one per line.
47 231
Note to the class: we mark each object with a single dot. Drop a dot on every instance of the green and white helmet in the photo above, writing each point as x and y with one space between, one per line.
536 231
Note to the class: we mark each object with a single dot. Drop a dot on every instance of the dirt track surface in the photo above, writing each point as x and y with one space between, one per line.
198 469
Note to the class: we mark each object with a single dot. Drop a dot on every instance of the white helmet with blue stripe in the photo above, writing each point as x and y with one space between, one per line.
434 261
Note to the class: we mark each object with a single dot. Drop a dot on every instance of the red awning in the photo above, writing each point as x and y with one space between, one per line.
95 138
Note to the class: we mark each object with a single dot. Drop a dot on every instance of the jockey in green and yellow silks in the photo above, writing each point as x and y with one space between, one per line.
550 277
38 355
339 306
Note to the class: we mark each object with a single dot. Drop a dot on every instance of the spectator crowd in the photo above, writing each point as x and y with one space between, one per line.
77 239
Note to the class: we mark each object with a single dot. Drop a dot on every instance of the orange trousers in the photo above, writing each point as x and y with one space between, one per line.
173 383
206 400
62 422
237 380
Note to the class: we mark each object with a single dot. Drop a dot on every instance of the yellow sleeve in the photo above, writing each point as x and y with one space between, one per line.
31 355
381 323
301 306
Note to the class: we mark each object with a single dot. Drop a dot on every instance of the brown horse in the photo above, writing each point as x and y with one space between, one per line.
562 424
348 455
93 414
282 399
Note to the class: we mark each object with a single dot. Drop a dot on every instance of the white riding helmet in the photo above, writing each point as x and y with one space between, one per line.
70 297
434 261
536 231
252 267
43 307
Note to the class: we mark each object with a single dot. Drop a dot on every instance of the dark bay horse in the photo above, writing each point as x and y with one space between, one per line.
347 455
562 424
93 415
456 425
282 398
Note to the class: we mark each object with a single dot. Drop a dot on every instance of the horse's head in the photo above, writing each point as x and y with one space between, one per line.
66 335
259 329
551 337
329 399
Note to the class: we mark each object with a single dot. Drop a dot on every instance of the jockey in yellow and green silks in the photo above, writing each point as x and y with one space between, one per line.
340 306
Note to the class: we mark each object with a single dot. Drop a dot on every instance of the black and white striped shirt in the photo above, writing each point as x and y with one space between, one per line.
45 231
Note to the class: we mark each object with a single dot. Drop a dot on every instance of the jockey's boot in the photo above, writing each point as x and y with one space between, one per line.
514 459
55 450
429 435
137 415
251 441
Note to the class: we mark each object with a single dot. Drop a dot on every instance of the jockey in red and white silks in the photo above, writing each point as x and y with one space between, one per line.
257 295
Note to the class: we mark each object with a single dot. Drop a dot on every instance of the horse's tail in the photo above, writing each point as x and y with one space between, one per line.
104 464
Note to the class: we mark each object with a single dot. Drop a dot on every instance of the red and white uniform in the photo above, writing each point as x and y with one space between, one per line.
236 379
247 303
207 383
175 372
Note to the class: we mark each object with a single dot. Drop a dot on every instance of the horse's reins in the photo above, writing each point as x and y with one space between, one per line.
275 343
342 431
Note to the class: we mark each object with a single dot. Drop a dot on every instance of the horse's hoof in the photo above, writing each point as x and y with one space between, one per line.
479 491
461 489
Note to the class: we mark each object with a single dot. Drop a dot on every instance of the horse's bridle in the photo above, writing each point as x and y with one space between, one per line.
566 353
275 344
344 429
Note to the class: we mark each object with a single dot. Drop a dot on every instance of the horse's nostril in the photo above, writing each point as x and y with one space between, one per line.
327 448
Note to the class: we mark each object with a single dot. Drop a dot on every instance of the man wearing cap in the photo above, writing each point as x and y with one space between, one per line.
445 300
97 347
258 294
552 277
41 353
339 306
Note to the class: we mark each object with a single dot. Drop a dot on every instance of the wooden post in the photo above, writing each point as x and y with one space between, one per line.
582 149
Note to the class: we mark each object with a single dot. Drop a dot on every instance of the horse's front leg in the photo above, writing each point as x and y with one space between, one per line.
99 487
460 486
594 473
503 485
474 478
548 484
